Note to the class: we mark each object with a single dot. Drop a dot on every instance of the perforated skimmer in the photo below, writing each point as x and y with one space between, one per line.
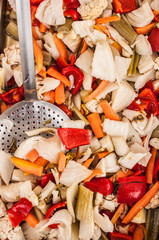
30 113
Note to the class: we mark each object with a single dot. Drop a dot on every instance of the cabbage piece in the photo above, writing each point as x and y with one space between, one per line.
31 234
26 146
111 86
145 64
71 40
122 65
155 5
97 233
94 37
74 172
73 124
144 78
19 176
147 139
102 221
55 197
129 160
103 65
26 192
110 203
116 128
77 101
140 17
95 144
137 148
120 145
154 142
86 229
50 12
83 27
70 199
140 217
87 81
142 45
106 143
84 61
122 96
92 105
50 45
86 154
6 166
46 85
47 190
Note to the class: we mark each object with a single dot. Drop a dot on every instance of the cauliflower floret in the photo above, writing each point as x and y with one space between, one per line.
8 232
2 209
154 203
92 9
13 54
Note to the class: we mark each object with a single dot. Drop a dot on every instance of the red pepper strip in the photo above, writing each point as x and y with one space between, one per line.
19 211
77 75
35 2
71 3
102 185
13 96
139 167
141 105
107 212
72 13
11 82
64 108
156 170
119 236
61 62
149 85
132 189
46 178
137 173
33 12
154 39
122 6
53 208
54 226
73 137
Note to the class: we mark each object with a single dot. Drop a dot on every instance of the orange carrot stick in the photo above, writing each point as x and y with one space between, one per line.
31 220
88 162
97 91
60 47
42 73
102 154
3 107
94 173
117 46
27 166
60 94
35 35
141 203
150 166
118 212
139 233
77 154
121 174
103 29
32 155
38 55
49 96
109 111
61 162
84 47
95 122
156 14
107 19
146 29
42 28
54 73
41 161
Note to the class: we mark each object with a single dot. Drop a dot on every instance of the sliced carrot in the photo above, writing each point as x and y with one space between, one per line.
32 155
94 173
146 29
121 174
109 111
107 19
117 46
60 94
49 96
118 213
35 35
141 203
42 28
27 166
156 14
150 166
38 55
102 154
54 73
95 122
97 91
31 220
84 47
60 47
103 29
41 161
139 233
61 162
43 73
88 162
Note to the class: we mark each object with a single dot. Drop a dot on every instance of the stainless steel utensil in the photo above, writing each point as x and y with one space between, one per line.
30 113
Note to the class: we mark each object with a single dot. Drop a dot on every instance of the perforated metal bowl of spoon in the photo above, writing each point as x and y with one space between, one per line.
30 113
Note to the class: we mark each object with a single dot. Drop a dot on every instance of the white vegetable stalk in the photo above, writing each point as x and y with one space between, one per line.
95 144
71 198
145 64
84 61
71 40
111 86
137 148
107 144
142 45
19 176
144 78
46 85
83 27
50 45
141 16
6 166
92 105
131 159
122 65
120 145
77 100
87 81
86 229
103 65
47 190
73 124
26 192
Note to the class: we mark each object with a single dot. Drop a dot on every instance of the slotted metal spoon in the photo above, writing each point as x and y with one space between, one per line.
30 113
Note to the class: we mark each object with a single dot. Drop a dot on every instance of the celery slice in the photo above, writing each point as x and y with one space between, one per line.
12 30
79 114
66 27
84 205
133 65
75 231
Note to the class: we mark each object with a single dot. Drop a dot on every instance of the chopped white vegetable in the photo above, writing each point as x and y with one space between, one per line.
92 105
47 190
6 166
87 81
55 197
137 148
145 64
154 142
140 218
122 65
142 45
37 131
86 155
131 159
71 40
155 5
86 229
83 27
110 203
50 45
144 78
77 100
120 145
94 37
46 85
95 144
26 192
84 61
70 199
107 144
19 176
31 234
111 86
73 124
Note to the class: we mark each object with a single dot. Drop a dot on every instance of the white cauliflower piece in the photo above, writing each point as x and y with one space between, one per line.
50 12
92 9
13 54
154 203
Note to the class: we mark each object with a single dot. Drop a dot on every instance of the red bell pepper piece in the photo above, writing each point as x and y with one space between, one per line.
53 208
71 3
120 236
78 77
141 105
13 96
149 85
156 170
139 167
122 6
72 13
102 185
64 108
154 39
54 226
19 211
35 2
33 12
11 82
62 63
131 189
108 213
73 137
46 178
